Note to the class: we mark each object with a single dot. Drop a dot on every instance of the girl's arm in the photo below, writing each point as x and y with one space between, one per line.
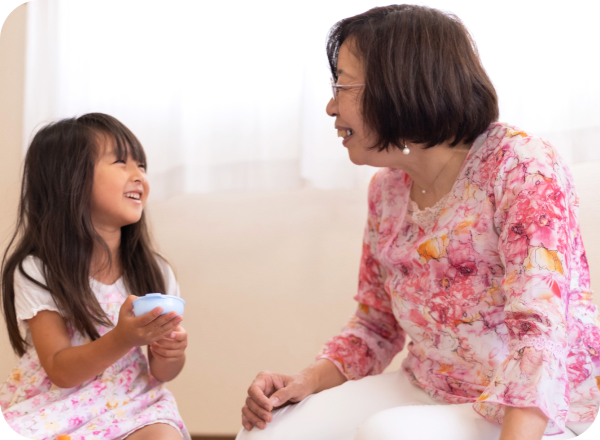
167 355
523 423
68 366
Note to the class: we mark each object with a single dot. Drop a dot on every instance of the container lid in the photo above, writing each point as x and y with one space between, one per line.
156 295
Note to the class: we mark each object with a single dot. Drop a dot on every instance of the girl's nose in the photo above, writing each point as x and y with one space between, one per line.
138 175
332 108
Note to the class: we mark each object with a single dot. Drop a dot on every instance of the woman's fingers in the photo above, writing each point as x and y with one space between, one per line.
253 418
281 396
246 424
257 392
259 410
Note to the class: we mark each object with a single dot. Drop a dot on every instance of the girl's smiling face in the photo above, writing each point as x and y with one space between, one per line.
120 188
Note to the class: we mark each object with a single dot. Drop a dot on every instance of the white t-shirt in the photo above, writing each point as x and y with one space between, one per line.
31 298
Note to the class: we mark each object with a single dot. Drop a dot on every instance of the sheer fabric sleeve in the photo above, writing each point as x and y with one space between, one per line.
31 298
536 221
372 336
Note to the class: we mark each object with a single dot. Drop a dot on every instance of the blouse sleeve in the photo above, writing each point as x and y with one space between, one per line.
31 298
372 337
536 219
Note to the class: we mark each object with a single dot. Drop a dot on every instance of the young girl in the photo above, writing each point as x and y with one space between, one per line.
79 257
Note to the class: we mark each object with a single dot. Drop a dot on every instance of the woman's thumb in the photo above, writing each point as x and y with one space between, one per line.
279 397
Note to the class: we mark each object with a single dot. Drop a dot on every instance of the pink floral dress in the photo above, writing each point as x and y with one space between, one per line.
495 296
124 398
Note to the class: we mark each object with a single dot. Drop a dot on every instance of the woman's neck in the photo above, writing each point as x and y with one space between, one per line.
100 269
432 170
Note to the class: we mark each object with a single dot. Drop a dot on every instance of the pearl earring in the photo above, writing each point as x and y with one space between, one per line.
405 150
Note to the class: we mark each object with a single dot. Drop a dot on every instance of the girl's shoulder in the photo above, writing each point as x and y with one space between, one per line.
29 274
31 294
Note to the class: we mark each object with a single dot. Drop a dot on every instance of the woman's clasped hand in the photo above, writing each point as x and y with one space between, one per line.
270 391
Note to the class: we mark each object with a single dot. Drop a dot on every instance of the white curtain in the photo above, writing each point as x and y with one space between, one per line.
231 95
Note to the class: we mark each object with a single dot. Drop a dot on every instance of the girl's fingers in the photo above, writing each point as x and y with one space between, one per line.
166 345
149 318
167 353
163 320
178 334
170 343
163 325
158 356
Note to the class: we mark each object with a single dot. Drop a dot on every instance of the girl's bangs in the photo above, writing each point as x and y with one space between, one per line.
126 143
125 140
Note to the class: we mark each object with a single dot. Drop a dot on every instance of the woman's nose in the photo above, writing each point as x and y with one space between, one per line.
332 107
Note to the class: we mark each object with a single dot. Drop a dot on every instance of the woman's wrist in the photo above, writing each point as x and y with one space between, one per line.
323 375
523 423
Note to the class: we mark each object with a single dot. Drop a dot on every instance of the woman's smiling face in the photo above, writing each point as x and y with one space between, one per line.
347 109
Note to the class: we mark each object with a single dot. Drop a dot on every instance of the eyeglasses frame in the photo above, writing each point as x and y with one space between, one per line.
335 87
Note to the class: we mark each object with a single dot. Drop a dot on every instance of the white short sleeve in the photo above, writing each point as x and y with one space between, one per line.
171 286
29 297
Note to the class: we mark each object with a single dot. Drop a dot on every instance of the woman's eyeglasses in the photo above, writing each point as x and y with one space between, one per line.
335 87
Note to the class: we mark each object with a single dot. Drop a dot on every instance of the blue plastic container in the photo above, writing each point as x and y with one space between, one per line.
147 303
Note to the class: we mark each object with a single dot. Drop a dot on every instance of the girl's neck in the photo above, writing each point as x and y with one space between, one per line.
100 269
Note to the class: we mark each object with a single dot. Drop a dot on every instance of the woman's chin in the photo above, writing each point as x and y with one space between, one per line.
356 159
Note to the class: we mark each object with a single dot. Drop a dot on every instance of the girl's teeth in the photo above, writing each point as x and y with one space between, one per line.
349 132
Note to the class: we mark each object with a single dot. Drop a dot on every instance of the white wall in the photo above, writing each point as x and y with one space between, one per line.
267 277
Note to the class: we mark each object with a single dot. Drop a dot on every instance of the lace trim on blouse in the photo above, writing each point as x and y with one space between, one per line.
539 344
427 217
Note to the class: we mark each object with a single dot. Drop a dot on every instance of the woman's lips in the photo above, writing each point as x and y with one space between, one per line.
345 133
346 140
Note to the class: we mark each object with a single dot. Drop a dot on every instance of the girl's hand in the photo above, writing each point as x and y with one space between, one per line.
145 329
271 390
170 348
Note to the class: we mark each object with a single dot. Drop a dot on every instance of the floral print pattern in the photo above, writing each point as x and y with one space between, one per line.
495 296
124 398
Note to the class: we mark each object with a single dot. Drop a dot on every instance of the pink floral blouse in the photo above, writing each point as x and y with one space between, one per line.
495 296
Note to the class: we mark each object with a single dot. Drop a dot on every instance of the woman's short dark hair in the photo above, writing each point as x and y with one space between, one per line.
424 81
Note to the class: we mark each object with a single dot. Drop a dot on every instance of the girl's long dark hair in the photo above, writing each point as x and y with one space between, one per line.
54 224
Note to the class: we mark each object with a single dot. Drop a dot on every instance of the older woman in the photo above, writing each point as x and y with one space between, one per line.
472 249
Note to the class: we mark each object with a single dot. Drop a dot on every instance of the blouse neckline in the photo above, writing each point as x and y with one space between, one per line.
427 218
